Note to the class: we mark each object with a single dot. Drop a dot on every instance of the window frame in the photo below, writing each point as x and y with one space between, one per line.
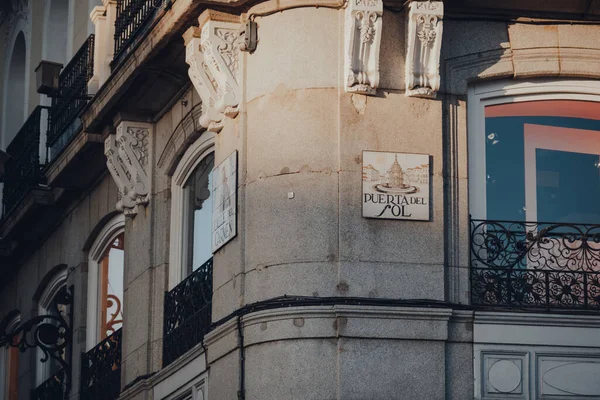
484 94
113 228
178 242
58 281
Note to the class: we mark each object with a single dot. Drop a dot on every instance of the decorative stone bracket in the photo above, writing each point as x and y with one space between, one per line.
213 54
127 158
363 40
423 45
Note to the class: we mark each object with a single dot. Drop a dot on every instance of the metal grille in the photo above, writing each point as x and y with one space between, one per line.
52 388
72 97
187 313
535 265
101 369
23 168
132 16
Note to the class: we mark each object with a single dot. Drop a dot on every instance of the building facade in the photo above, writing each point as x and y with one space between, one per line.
300 199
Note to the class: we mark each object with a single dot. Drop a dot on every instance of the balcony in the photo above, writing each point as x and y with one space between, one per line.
23 170
187 313
529 265
72 98
52 388
132 17
101 369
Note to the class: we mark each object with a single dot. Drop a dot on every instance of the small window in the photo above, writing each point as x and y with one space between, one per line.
106 269
111 287
192 206
198 213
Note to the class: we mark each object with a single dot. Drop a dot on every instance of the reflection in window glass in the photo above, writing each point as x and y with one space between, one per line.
111 287
200 204
542 161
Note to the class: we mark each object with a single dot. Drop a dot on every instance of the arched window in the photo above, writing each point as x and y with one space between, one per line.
9 366
14 101
191 210
57 281
105 282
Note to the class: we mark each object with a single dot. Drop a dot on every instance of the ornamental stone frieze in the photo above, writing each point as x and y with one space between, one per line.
213 54
363 40
127 159
423 45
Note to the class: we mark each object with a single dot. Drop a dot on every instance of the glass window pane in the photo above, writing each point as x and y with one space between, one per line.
111 290
200 205
542 161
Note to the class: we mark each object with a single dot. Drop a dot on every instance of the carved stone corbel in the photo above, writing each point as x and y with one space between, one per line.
363 40
423 46
213 54
127 155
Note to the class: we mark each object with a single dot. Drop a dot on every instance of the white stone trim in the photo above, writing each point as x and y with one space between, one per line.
213 54
190 381
114 227
200 149
128 161
362 44
481 95
423 48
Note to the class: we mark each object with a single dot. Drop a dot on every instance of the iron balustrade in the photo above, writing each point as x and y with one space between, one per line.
187 313
132 16
71 97
535 265
23 170
101 369
52 388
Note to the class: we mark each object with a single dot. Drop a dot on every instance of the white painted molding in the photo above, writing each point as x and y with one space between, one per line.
113 228
127 158
102 47
213 54
423 46
363 42
178 255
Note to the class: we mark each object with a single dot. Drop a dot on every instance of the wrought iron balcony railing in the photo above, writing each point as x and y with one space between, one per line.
101 369
53 388
187 313
23 170
535 265
132 16
71 98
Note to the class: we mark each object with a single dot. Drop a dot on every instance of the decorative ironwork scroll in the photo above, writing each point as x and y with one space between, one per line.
528 264
51 333
187 313
101 369
116 317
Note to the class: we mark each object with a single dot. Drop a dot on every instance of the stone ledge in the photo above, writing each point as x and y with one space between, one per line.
79 142
368 322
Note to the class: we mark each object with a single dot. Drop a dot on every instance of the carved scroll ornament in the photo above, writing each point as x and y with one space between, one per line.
423 46
127 155
363 40
213 54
